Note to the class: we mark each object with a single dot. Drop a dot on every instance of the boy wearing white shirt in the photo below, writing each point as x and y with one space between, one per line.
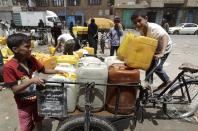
68 42
164 46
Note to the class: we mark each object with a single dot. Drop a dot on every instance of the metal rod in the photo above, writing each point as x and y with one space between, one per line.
137 85
117 100
169 86
187 91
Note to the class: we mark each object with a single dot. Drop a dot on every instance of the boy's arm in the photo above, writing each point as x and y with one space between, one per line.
19 87
164 45
56 47
51 71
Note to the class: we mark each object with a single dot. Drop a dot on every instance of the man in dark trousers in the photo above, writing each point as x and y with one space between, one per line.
93 35
41 24
56 32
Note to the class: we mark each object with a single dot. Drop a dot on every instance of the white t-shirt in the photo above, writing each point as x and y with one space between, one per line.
65 37
155 31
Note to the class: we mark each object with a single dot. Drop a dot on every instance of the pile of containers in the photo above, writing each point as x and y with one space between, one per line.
91 69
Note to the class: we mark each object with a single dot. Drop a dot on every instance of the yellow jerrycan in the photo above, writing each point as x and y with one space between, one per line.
140 52
71 59
122 50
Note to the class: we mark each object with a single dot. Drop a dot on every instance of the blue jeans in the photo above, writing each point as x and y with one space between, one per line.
159 70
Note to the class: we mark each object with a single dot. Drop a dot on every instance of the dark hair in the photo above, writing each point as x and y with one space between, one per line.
116 19
15 40
92 20
136 14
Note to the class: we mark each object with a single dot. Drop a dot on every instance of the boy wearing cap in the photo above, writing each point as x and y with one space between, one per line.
114 36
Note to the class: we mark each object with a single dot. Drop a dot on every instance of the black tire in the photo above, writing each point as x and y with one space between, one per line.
178 104
77 124
176 32
196 32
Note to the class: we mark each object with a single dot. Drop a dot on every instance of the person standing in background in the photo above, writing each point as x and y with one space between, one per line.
114 36
93 35
102 40
56 32
41 24
71 25
165 25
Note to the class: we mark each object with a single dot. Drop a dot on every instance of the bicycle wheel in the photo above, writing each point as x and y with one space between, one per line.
178 104
77 124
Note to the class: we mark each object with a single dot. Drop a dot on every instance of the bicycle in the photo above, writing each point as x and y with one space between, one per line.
177 98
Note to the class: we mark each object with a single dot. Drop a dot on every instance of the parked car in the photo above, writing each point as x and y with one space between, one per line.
184 28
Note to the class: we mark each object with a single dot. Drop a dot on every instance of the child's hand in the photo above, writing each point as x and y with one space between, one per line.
37 81
158 56
59 72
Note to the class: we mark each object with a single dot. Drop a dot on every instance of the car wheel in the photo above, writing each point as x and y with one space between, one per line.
196 32
176 32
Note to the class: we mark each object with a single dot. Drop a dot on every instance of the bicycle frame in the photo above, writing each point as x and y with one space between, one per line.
181 78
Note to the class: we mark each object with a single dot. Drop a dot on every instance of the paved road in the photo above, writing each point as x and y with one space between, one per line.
185 50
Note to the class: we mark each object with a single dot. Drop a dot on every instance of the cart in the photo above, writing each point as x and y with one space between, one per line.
81 34
55 106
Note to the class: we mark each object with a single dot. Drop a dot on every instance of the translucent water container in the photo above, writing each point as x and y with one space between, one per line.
92 72
72 91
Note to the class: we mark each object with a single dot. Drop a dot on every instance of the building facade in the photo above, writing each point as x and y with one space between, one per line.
79 11
174 11
7 7
6 10
76 11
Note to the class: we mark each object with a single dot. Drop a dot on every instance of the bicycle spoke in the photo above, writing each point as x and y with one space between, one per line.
179 105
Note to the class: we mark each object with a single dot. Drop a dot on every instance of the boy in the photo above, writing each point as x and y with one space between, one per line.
155 31
68 42
17 74
114 35
102 40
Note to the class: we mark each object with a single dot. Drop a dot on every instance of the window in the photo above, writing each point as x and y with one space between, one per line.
58 2
20 2
94 2
190 25
50 19
42 3
73 2
4 2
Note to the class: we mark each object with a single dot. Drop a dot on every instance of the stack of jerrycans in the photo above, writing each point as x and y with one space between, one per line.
91 69
119 73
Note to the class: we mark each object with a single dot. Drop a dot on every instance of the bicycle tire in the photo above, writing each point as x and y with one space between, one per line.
178 104
77 124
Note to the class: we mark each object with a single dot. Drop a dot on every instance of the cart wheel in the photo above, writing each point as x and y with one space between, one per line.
77 124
